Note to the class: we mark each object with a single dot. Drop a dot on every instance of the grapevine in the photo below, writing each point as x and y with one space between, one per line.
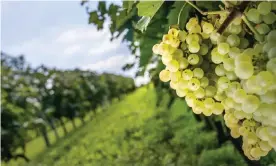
229 71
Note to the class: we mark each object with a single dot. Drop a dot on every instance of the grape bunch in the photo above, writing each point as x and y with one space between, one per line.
233 73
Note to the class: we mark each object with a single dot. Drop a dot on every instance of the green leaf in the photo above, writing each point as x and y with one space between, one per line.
173 15
148 8
128 5
143 23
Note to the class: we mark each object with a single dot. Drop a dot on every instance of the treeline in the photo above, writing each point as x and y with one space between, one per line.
35 99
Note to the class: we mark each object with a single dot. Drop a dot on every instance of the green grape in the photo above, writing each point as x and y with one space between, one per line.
203 49
178 53
242 58
223 48
214 37
234 133
181 92
239 114
164 49
258 48
235 29
254 16
272 52
269 97
219 70
207 112
195 29
182 84
190 99
265 79
271 65
198 107
194 47
182 35
223 82
268 46
193 59
183 63
204 82
205 35
244 43
191 23
216 57
209 103
264 8
174 32
192 38
200 93
167 39
237 21
229 102
233 40
221 39
231 75
184 46
175 43
173 65
210 91
239 95
264 145
207 27
198 73
164 75
233 87
244 70
250 104
234 51
269 18
262 28
175 76
271 37
251 85
187 74
155 49
220 96
229 64
173 85
194 84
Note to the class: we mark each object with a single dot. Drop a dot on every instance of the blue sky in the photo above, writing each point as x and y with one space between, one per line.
57 34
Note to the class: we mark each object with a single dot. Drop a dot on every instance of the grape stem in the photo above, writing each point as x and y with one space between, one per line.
251 27
236 11
206 13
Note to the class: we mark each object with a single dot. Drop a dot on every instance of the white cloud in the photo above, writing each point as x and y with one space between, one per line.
72 49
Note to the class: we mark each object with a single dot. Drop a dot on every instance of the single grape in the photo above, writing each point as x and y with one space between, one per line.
182 35
204 82
207 112
235 29
198 73
203 49
184 46
193 59
244 70
174 32
258 48
200 93
181 92
192 38
210 91
233 40
155 49
173 85
194 47
182 84
250 104
216 57
272 52
253 15
271 37
271 65
223 83
229 64
173 65
194 84
231 75
268 46
183 63
187 74
219 70
164 75
167 39
265 79
269 97
175 76
244 43
264 8
207 27
234 51
269 18
239 95
262 28
209 103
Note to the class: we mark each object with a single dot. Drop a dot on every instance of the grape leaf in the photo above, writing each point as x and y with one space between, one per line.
143 23
173 15
128 5
148 8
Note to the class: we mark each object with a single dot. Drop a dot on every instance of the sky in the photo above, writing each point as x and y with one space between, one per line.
57 34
